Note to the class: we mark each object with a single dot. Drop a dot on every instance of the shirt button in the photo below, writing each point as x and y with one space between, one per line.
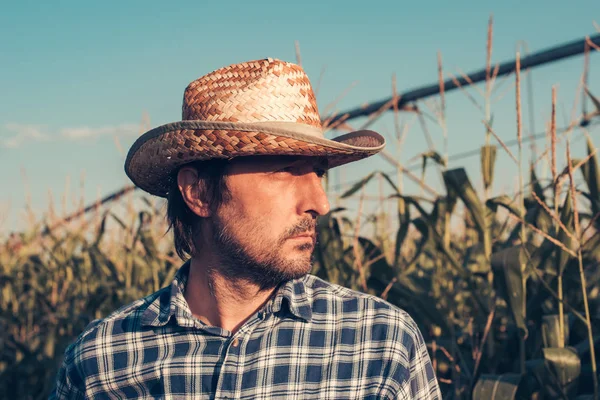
236 342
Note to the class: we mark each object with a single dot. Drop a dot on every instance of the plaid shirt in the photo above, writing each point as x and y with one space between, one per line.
313 340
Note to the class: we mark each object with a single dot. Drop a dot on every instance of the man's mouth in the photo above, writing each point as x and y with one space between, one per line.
306 235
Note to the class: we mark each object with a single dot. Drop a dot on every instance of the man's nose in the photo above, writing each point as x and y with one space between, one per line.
313 197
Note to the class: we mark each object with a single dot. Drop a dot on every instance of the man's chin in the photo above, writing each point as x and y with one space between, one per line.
295 275
295 266
299 247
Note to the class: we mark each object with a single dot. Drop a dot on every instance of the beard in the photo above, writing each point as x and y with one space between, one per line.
267 269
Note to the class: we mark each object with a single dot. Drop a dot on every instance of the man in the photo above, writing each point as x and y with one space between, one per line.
243 318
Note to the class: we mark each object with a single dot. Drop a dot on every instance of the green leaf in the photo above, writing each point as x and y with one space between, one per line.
443 207
536 187
434 234
390 181
591 173
503 201
433 155
329 251
404 225
551 330
592 247
103 264
457 180
415 300
119 221
475 260
424 229
583 348
540 218
509 279
101 229
567 218
358 185
488 161
50 343
373 259
594 100
497 387
403 219
564 367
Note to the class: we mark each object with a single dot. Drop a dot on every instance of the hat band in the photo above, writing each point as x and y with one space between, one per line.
263 126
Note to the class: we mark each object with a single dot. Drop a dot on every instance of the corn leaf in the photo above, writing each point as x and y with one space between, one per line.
329 251
497 387
505 202
435 156
459 182
373 259
101 229
488 161
508 279
591 173
551 330
475 260
563 367
424 229
404 225
592 247
536 187
404 294
594 100
119 221
390 181
358 185
431 155
567 218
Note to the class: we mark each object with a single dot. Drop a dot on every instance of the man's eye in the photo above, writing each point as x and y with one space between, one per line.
320 172
295 170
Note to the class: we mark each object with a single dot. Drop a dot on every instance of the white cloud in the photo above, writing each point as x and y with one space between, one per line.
86 132
14 135
20 133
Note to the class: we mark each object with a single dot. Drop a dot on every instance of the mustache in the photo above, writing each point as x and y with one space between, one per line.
306 225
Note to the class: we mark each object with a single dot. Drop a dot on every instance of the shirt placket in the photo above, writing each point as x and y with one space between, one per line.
231 371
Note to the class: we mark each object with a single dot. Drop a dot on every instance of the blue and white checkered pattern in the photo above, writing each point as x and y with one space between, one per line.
313 340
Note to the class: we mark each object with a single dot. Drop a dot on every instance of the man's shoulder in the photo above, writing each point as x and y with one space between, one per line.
327 297
320 289
375 324
127 318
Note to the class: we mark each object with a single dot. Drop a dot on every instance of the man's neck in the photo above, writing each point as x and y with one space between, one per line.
219 300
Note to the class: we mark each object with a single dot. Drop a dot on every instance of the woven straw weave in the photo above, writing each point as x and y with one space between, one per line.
256 91
219 117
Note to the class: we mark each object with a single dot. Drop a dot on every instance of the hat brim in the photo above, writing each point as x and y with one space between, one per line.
156 154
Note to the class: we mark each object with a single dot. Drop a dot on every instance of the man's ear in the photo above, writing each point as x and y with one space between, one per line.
192 191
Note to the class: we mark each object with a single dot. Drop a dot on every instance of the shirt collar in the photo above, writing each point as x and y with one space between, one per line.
291 296
170 301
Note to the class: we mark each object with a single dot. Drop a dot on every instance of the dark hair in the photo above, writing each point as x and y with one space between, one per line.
184 222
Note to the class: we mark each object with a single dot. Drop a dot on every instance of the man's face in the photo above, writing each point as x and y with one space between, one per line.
265 231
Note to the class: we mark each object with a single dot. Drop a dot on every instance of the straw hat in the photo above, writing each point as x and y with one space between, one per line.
262 107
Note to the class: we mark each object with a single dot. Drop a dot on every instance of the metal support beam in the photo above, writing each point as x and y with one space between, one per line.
542 57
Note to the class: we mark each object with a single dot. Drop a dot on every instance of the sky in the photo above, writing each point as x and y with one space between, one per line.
79 81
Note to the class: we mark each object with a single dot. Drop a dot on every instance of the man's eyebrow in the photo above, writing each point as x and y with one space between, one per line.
324 163
321 163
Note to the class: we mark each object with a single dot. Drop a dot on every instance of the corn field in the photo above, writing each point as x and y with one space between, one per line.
508 299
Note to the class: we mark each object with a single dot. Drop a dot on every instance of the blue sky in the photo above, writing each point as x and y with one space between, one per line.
75 75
